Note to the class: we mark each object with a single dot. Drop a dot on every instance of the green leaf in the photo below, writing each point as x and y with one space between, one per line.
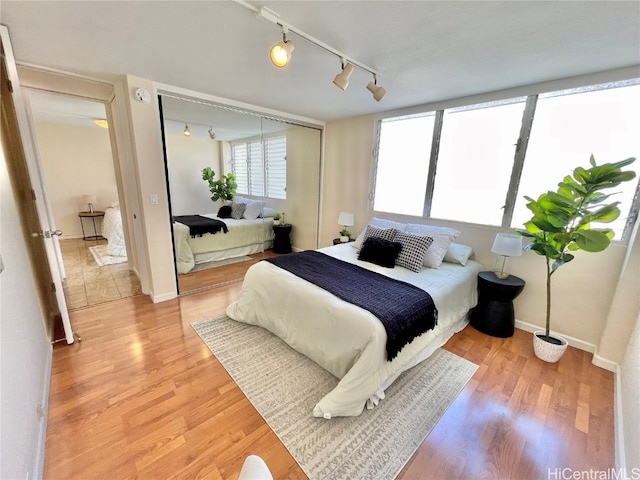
591 240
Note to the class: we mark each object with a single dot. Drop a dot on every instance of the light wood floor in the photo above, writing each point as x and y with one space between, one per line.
143 397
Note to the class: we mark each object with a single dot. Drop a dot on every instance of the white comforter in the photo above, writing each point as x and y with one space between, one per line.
113 232
344 339
241 233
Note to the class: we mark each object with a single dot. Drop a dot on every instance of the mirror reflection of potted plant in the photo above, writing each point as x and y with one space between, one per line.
222 189
276 219
345 235
561 223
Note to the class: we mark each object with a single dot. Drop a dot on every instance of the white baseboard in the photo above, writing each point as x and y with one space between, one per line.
38 464
163 297
597 360
618 425
574 342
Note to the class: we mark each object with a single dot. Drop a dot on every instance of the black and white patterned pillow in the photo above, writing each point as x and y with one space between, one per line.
383 233
414 249
237 210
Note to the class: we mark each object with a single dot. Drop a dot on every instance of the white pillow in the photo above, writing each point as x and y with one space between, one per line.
253 210
267 212
442 238
458 253
238 199
380 223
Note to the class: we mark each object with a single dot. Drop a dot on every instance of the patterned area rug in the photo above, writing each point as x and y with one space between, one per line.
284 386
220 263
103 258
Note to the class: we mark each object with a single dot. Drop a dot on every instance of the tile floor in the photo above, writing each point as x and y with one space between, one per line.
88 283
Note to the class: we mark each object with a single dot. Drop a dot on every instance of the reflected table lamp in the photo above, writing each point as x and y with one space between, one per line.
506 245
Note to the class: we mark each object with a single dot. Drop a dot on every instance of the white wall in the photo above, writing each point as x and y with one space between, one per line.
25 351
187 156
629 381
76 161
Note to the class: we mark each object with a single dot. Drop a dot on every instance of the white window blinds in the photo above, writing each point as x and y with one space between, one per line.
250 161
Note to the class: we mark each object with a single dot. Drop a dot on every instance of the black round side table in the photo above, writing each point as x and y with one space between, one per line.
494 314
282 242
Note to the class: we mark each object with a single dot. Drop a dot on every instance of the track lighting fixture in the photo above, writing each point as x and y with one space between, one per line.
212 134
342 79
376 91
186 132
281 51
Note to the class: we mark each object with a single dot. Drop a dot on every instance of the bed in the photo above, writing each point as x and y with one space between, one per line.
347 340
113 232
244 237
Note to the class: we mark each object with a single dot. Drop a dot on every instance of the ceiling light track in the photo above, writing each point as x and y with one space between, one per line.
348 63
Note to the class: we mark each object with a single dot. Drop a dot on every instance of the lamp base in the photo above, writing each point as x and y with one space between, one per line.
501 275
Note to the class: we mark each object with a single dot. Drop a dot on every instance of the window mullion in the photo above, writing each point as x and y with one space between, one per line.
433 162
518 159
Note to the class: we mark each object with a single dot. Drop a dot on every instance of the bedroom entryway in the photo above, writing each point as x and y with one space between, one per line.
88 283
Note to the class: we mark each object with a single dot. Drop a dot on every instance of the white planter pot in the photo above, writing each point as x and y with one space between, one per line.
276 222
549 352
344 239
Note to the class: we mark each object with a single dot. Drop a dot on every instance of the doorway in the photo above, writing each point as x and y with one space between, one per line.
78 170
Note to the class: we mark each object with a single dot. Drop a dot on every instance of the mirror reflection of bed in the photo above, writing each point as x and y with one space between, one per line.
276 165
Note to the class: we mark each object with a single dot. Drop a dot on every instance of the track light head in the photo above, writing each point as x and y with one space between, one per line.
186 132
281 52
376 91
212 134
342 79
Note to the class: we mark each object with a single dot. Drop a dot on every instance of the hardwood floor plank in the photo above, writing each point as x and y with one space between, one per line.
143 397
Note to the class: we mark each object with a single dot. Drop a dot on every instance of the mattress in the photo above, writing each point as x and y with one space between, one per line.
112 230
347 340
242 233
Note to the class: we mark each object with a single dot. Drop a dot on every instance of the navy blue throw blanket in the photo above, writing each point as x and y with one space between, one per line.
199 225
405 310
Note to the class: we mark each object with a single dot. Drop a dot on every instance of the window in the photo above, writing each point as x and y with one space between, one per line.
567 129
485 158
403 158
474 162
250 161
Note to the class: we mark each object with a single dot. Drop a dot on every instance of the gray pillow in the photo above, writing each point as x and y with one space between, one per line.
237 210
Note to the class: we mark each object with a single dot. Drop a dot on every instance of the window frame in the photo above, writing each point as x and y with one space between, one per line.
258 144
520 149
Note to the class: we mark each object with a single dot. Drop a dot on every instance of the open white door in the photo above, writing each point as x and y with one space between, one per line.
45 217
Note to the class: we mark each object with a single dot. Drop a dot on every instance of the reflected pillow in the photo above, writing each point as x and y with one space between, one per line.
237 210
380 251
225 211
253 210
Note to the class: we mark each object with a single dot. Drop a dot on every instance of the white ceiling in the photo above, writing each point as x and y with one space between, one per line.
426 51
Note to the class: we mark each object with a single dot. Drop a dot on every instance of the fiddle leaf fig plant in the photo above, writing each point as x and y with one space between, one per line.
562 220
222 189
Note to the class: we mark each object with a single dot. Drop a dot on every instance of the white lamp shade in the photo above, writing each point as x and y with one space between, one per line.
507 244
376 91
342 79
345 219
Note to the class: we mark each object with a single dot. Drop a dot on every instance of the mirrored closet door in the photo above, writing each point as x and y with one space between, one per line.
275 167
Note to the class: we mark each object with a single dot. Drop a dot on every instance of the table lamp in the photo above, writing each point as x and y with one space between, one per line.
506 245
346 220
89 200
